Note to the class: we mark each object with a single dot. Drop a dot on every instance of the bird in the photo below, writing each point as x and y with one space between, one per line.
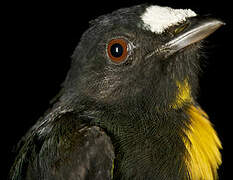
128 106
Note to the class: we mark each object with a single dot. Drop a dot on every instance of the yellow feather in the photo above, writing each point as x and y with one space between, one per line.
202 145
183 94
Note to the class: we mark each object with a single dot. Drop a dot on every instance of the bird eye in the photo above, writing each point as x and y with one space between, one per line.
117 50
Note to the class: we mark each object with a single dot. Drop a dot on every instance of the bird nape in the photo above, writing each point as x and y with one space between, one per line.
128 107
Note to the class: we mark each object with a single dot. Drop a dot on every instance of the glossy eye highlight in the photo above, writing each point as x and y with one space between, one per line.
117 50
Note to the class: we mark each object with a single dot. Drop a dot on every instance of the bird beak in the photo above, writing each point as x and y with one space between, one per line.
194 30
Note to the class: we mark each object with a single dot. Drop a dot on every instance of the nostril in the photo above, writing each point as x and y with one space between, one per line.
181 28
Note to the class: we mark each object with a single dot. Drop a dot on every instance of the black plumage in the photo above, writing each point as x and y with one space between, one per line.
116 121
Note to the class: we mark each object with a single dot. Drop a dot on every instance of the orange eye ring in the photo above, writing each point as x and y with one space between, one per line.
117 50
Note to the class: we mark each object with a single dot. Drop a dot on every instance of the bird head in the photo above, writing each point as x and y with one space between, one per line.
142 55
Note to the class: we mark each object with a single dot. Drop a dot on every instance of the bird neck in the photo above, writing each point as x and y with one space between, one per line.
145 141
180 140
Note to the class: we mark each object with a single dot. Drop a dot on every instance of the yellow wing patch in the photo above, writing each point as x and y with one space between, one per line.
202 144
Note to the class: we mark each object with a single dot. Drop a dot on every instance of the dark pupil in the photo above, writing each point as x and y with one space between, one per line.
116 50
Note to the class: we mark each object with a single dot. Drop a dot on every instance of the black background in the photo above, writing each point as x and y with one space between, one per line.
38 39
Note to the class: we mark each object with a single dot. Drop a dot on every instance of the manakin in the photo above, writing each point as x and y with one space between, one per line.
128 109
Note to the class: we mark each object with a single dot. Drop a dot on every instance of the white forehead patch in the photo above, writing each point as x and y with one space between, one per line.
160 18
